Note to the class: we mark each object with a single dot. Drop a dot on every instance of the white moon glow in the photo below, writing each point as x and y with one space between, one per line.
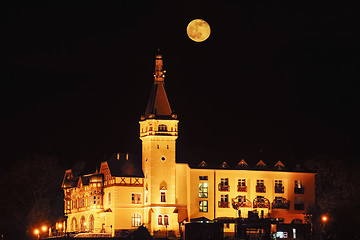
198 30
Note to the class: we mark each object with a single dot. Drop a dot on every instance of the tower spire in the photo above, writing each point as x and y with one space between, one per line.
158 105
159 71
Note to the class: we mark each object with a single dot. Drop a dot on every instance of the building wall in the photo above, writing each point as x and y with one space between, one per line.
251 176
159 166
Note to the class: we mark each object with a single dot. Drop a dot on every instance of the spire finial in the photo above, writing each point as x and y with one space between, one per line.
159 71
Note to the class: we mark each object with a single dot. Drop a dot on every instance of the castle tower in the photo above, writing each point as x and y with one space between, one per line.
158 133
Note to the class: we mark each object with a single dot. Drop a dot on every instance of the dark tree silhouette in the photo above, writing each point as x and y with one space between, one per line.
32 195
338 196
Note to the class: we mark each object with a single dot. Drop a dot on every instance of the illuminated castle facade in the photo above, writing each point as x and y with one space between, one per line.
163 195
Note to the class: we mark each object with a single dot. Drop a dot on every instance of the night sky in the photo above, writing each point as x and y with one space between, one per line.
76 76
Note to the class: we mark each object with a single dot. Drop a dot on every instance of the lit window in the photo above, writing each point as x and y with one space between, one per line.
136 220
203 206
166 220
160 219
91 223
74 226
136 198
203 190
298 184
163 197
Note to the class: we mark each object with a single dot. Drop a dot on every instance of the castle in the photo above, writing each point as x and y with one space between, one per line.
163 195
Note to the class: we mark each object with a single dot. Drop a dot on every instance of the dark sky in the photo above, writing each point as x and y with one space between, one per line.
76 76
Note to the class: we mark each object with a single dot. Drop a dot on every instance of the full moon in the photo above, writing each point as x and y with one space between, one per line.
198 30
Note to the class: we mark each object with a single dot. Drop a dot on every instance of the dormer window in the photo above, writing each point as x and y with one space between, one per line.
162 128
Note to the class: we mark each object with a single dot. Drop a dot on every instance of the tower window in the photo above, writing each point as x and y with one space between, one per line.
163 197
163 158
162 128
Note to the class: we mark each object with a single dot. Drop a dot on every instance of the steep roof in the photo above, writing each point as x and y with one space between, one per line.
158 105
125 165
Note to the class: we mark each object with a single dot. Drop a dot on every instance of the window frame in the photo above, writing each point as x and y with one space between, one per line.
203 206
136 220
160 220
203 190
163 196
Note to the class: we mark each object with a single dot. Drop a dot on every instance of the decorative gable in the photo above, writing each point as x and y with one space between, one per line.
279 166
224 165
242 164
261 164
203 164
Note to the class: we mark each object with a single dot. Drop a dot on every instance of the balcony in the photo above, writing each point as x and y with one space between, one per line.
299 206
242 188
225 188
241 204
279 189
281 204
224 204
298 190
260 189
261 203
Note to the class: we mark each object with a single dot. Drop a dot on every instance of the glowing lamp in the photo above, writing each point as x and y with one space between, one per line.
36 231
324 219
44 228
60 225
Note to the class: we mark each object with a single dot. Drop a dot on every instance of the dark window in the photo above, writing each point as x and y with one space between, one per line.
203 177
163 197
162 128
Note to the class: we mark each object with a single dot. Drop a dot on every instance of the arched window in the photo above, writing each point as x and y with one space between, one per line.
109 198
136 220
91 223
82 224
74 227
162 128
166 220
160 219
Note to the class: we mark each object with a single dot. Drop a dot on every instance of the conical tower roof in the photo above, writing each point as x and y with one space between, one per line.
158 105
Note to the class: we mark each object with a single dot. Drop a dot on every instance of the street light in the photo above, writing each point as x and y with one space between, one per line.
37 233
324 219
44 228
